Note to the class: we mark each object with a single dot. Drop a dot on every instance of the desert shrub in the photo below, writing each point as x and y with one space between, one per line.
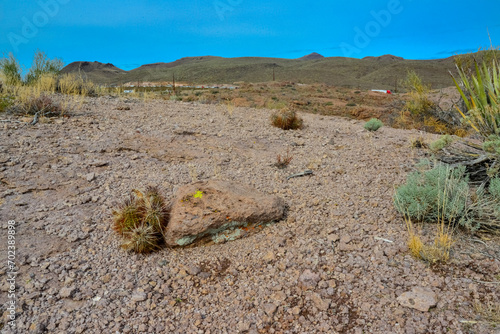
492 145
373 124
494 188
351 104
42 105
418 142
283 161
41 66
175 98
189 98
286 119
441 143
443 194
47 83
433 194
276 105
73 84
6 101
11 70
419 102
140 220
122 108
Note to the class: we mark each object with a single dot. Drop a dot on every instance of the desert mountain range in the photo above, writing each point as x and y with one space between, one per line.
383 72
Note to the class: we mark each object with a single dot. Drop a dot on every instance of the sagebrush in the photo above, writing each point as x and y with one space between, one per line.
443 193
373 124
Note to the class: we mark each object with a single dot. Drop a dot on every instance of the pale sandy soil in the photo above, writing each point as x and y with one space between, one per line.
59 181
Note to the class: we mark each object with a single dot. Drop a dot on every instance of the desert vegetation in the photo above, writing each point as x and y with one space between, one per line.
440 191
286 119
141 219
42 92
373 124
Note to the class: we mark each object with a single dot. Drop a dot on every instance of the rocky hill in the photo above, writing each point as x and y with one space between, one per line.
370 72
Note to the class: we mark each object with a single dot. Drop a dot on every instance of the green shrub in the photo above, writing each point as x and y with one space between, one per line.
494 188
286 119
492 145
43 66
351 104
373 124
443 194
6 101
11 70
175 98
441 143
433 194
419 102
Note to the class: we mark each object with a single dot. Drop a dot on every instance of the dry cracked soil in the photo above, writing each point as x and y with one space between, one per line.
336 264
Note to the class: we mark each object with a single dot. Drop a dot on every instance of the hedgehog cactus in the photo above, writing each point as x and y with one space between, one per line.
143 238
286 119
154 209
127 216
141 219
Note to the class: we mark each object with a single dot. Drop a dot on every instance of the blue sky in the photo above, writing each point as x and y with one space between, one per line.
131 33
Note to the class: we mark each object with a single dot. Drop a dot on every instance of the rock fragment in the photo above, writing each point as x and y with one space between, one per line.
418 298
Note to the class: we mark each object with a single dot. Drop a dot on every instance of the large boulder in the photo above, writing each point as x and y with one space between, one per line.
222 210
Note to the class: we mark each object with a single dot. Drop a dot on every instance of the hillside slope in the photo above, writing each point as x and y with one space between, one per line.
371 72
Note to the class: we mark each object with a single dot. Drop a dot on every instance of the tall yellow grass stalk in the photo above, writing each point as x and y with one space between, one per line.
47 83
415 243
69 84
73 84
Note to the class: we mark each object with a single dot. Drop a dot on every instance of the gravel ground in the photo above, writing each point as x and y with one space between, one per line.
336 264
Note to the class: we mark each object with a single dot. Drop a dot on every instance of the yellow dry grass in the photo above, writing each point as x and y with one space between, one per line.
489 312
47 83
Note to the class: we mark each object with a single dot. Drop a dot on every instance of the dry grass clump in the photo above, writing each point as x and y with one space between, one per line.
122 108
421 112
489 312
286 119
35 92
437 252
141 219
418 142
72 84
47 83
283 161
42 105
